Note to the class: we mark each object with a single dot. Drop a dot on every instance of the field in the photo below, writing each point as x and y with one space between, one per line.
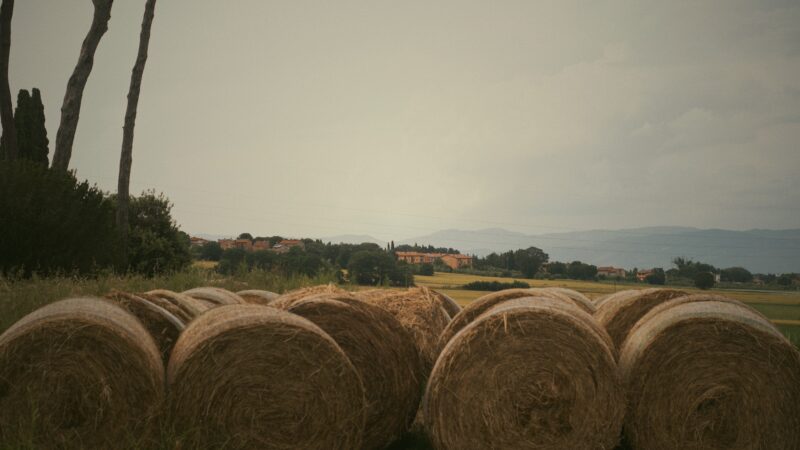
782 307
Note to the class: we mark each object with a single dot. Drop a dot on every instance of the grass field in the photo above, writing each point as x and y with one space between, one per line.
782 307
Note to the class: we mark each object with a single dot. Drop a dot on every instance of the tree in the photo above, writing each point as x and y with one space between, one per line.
247 236
528 261
155 244
785 279
32 142
704 280
126 155
657 277
71 108
53 223
736 275
370 267
426 269
211 251
6 111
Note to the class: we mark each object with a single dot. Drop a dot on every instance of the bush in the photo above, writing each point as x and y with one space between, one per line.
426 269
495 285
155 244
657 277
53 223
704 280
210 251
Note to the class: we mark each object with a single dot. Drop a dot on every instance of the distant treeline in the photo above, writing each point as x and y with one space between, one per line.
495 285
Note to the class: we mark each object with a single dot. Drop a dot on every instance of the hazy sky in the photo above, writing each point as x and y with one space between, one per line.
399 118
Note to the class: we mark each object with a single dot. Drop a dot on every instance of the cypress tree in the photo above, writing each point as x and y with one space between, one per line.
32 142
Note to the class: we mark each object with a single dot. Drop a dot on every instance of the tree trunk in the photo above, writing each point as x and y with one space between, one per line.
6 110
71 108
126 155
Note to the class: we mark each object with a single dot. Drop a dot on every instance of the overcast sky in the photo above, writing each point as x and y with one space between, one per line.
400 118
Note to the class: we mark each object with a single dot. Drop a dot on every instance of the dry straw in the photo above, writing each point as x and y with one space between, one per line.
300 293
484 303
257 296
215 295
250 376
420 313
529 373
710 375
78 373
620 312
382 352
574 295
162 325
189 307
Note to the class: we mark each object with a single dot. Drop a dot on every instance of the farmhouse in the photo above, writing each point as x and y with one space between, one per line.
610 272
643 274
197 242
454 261
244 244
285 245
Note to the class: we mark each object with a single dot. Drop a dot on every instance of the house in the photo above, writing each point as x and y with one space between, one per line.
197 242
457 261
417 257
610 272
261 245
643 274
454 261
285 245
244 244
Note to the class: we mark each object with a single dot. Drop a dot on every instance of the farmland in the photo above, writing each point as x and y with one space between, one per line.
782 307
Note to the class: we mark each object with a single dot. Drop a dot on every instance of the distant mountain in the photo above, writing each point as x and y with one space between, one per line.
353 239
765 251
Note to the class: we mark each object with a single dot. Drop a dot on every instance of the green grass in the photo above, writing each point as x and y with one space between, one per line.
22 296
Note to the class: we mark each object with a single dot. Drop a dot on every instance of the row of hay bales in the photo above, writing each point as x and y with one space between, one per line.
324 368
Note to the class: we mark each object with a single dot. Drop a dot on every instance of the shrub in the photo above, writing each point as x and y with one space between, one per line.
155 244
495 285
704 280
53 223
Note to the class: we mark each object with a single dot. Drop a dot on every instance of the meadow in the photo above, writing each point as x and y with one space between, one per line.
781 307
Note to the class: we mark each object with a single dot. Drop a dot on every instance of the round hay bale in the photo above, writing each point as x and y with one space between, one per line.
484 303
250 376
599 300
160 323
215 295
190 307
620 312
579 299
420 314
382 352
79 373
447 303
257 296
692 298
710 375
529 373
289 297
166 304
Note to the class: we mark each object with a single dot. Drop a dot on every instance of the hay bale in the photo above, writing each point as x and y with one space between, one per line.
162 325
620 312
484 303
710 375
250 376
382 352
79 373
289 297
257 296
529 373
571 293
215 295
419 312
447 303
600 300
190 307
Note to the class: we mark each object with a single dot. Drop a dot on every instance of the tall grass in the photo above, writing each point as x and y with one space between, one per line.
19 297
